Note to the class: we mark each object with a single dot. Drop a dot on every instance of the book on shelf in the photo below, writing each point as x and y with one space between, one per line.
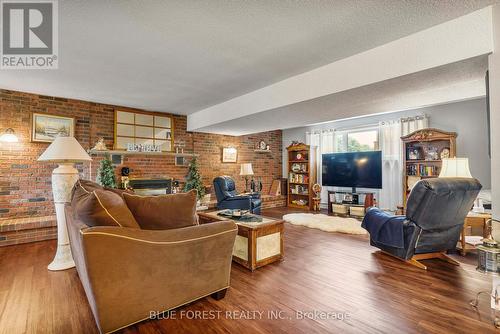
421 170
299 190
298 178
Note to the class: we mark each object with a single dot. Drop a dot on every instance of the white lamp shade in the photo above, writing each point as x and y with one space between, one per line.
65 149
455 167
9 136
246 169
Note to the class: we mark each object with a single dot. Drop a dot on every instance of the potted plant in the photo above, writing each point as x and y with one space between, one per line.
106 173
193 179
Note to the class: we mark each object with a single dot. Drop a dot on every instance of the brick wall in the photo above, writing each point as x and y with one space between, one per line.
25 188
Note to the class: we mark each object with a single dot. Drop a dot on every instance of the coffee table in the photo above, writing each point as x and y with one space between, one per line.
257 243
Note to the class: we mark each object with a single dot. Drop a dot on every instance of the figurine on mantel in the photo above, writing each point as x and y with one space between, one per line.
179 146
125 171
100 145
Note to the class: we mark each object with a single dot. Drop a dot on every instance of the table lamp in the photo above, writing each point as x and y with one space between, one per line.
246 170
455 167
459 167
65 151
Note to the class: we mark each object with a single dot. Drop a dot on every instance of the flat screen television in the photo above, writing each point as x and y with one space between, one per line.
353 169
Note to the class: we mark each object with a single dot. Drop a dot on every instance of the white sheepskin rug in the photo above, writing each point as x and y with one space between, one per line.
326 223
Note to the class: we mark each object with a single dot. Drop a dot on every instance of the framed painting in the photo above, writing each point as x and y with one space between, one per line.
45 128
229 154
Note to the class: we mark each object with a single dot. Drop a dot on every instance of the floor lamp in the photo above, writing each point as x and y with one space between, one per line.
65 151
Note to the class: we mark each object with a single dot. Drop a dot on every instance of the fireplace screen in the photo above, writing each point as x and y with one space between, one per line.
148 187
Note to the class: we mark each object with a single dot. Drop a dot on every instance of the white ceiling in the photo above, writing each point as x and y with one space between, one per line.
184 56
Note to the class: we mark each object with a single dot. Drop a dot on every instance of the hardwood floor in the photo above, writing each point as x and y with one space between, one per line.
322 272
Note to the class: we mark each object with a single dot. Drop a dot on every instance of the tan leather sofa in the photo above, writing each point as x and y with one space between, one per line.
128 273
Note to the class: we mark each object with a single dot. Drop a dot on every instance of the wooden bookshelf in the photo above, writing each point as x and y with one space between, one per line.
422 154
301 175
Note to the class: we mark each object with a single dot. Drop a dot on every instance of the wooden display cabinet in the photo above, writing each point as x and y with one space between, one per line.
423 151
301 175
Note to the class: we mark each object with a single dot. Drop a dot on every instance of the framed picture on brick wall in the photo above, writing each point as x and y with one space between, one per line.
45 128
229 154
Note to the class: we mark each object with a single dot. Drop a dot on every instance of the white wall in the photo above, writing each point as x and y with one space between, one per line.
494 69
467 118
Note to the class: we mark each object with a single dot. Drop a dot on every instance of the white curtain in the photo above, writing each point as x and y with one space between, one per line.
314 139
327 146
325 143
411 124
390 143
390 133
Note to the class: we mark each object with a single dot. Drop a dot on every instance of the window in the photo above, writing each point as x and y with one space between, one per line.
143 128
357 140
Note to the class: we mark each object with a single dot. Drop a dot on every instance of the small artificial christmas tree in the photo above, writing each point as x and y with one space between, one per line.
106 174
193 179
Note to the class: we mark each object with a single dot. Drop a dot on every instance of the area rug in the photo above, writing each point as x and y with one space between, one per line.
326 223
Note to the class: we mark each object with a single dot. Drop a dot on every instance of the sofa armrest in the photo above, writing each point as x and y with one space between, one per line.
208 219
133 272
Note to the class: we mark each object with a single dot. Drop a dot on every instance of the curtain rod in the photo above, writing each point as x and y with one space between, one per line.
412 118
346 128
370 125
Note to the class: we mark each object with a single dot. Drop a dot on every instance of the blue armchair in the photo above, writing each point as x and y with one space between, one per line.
228 197
435 214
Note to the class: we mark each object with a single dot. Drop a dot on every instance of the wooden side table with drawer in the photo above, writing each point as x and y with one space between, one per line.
472 220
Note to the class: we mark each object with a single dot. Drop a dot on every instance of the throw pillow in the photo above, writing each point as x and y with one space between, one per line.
165 211
101 208
83 187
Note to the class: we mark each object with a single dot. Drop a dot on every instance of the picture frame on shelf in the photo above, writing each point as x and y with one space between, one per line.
45 127
415 153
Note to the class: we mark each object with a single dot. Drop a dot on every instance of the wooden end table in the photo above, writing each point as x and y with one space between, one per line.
474 220
256 244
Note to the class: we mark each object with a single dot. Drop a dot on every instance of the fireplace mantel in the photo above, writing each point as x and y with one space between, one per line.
121 152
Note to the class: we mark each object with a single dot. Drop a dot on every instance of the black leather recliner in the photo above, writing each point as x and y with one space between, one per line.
228 198
435 214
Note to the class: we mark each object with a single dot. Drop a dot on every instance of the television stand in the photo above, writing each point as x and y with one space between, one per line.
347 204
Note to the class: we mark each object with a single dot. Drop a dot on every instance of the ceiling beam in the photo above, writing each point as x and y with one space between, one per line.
462 38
